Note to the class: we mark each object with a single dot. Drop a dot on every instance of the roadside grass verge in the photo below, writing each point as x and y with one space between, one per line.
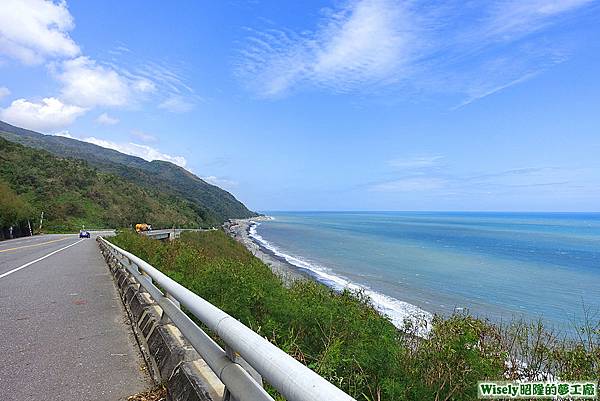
342 337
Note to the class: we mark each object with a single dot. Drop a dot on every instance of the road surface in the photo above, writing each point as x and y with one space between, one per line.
63 331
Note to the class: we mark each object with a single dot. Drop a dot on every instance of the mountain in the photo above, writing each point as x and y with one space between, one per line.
72 194
213 204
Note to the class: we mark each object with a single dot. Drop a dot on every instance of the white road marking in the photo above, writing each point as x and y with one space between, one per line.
37 260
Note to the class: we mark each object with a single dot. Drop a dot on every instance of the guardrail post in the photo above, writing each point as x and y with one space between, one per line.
147 276
236 358
164 318
227 396
175 301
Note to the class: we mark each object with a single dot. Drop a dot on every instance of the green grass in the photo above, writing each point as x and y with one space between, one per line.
343 338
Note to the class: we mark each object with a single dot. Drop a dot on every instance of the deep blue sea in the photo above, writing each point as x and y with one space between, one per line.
496 265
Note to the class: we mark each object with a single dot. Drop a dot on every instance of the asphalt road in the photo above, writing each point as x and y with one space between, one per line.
63 332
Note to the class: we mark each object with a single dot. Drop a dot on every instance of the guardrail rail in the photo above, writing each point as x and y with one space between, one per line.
293 380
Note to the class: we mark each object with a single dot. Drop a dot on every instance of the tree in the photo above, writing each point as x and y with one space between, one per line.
13 209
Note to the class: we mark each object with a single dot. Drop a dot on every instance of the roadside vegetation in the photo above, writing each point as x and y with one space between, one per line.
344 339
72 194
14 211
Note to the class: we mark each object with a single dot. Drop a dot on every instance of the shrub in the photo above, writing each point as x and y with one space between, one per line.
342 337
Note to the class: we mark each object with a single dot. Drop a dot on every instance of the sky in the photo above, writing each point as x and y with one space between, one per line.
325 105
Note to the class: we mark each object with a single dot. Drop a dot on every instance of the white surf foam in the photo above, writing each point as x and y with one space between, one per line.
398 311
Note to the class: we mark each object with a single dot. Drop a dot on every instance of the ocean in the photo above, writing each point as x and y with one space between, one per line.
499 266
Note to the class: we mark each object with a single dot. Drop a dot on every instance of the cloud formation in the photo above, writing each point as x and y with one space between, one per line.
176 104
510 19
366 42
134 149
37 31
452 47
89 84
416 162
422 174
410 184
4 92
164 80
47 115
220 182
33 30
105 119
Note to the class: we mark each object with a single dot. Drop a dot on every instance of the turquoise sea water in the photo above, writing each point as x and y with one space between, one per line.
498 265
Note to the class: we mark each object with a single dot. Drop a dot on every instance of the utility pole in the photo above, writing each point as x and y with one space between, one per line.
41 220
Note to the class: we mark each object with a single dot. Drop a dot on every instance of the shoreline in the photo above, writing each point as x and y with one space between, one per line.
396 310
239 229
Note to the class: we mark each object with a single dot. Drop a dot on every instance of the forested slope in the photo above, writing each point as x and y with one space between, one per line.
72 193
213 204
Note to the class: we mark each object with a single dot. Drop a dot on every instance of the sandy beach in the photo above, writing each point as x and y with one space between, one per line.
239 229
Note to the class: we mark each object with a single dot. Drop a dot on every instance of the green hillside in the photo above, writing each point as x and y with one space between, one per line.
72 193
212 203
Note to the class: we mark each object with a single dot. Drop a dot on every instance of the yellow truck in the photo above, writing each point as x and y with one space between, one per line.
143 227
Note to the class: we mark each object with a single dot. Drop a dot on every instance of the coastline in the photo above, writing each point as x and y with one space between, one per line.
399 312
239 229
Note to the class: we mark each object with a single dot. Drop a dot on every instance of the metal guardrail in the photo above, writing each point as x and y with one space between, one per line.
160 235
292 379
169 233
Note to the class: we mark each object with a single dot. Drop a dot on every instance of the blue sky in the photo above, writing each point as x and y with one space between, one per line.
325 105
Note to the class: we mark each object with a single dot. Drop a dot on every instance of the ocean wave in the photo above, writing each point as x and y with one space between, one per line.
399 312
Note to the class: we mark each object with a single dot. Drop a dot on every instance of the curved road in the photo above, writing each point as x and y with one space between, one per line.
63 331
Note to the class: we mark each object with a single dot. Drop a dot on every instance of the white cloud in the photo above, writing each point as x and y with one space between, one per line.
367 42
413 47
64 134
135 149
512 18
476 92
4 92
176 104
144 85
105 119
33 30
50 114
410 184
163 80
220 182
530 177
37 31
417 162
88 84
130 148
143 136
167 76
538 180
